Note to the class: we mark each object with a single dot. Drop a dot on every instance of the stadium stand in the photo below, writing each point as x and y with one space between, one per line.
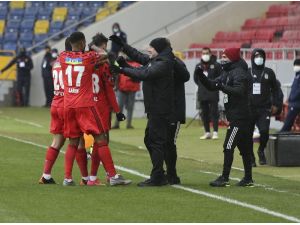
279 28
26 23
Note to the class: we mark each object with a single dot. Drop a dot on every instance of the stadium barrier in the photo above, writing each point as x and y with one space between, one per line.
5 57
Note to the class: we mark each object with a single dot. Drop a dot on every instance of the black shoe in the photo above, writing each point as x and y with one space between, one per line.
151 183
45 181
261 158
115 127
130 127
245 183
220 182
173 180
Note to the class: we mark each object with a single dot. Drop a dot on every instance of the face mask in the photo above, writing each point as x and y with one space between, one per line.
225 64
296 69
259 61
54 55
115 30
205 58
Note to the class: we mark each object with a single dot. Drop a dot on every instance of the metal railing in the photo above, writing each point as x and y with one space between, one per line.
271 53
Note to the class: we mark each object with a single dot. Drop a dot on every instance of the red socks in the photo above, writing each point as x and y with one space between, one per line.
81 158
105 157
51 156
95 163
69 160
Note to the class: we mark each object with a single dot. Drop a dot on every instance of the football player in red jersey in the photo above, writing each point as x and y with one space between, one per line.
106 101
80 111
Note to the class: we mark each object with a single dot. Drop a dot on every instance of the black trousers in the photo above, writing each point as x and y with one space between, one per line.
156 134
261 118
48 88
23 90
171 149
209 112
238 135
290 119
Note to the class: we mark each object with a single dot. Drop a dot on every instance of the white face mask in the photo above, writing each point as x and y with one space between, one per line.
259 61
116 30
54 55
205 57
296 69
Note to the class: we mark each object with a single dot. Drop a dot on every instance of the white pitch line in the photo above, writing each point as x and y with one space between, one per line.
24 121
195 191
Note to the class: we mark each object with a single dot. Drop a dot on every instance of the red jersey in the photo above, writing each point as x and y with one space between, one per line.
78 68
103 88
58 99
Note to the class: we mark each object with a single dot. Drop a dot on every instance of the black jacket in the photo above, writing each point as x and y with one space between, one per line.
24 65
294 98
181 75
47 65
213 70
235 86
115 48
265 77
157 77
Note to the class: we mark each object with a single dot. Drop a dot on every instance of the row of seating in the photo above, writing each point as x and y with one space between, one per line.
283 10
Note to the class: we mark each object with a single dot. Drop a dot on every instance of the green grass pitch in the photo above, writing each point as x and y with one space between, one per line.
275 198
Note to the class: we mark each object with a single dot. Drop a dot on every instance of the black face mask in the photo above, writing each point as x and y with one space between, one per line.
225 64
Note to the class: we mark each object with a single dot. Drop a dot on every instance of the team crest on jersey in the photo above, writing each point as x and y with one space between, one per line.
73 61
212 66
56 65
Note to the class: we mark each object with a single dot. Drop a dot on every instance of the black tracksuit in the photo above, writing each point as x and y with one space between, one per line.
181 75
158 87
24 66
235 87
208 100
47 78
264 92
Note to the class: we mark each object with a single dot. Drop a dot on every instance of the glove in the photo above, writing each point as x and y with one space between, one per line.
114 38
115 69
122 62
199 71
120 116
219 85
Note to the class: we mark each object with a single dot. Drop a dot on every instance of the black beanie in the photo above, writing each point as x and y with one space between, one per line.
297 62
159 44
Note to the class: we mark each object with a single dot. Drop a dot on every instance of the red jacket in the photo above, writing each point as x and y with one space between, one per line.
126 84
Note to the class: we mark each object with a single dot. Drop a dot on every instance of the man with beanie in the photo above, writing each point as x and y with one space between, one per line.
294 100
233 82
158 89
264 102
208 99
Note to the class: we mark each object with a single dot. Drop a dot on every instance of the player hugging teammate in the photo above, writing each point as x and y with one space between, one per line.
83 102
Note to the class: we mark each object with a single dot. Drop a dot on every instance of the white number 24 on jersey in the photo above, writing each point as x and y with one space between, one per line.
57 80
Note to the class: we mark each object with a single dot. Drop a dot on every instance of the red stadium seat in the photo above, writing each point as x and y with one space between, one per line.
264 35
250 24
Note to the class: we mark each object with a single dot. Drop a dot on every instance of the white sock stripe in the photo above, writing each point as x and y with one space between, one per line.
176 132
231 138
199 192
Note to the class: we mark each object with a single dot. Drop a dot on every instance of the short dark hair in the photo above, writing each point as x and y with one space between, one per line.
68 46
206 48
99 39
76 36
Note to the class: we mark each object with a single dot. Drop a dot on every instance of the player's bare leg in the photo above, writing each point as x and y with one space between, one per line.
81 159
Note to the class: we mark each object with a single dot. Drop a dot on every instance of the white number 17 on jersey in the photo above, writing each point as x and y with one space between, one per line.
69 72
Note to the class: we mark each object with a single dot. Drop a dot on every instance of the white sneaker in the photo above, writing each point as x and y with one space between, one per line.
215 136
118 180
206 136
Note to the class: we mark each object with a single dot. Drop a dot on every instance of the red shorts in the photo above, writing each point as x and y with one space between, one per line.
82 120
105 115
57 120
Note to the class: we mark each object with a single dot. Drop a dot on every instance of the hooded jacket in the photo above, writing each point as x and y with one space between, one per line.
213 70
158 79
235 86
266 79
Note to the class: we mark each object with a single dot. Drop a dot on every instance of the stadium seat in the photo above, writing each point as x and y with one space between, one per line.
112 6
59 13
17 4
41 26
80 4
3 4
38 4
27 24
50 4
26 37
2 26
290 36
30 13
13 24
10 46
250 24
74 11
66 4
102 13
44 12
73 17
25 44
3 11
264 35
96 5
54 32
11 36
56 25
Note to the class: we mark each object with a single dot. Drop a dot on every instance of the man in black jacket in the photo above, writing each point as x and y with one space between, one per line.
24 66
158 89
181 75
47 75
208 99
233 82
264 102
